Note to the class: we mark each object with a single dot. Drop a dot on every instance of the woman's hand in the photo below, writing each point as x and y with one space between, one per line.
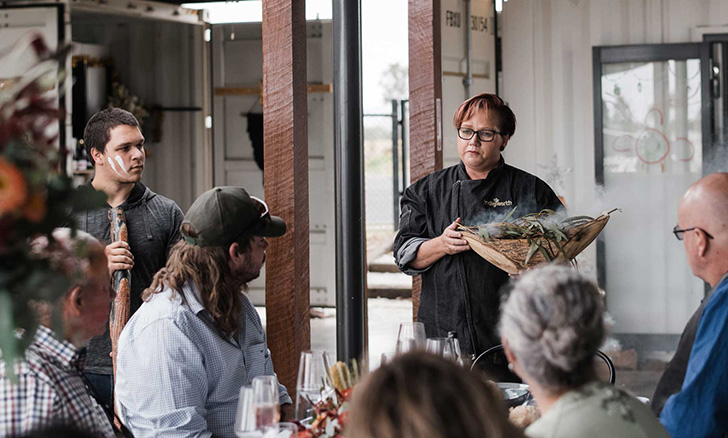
452 240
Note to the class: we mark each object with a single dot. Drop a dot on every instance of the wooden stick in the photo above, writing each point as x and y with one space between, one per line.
121 307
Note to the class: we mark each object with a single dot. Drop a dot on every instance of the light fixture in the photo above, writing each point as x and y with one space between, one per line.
251 11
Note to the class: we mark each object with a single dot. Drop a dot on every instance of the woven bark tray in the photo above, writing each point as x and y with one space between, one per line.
510 254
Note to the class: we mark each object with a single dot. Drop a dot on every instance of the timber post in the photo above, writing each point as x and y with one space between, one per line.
285 119
425 99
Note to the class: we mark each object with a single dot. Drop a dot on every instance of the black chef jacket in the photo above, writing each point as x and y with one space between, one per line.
462 292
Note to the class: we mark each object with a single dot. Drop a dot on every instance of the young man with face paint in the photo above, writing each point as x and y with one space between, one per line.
115 145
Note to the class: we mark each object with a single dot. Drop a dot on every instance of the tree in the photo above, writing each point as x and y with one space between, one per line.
395 82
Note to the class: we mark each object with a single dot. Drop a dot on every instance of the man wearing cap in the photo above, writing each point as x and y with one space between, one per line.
197 339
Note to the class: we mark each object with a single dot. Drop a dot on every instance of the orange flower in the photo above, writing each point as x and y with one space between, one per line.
35 208
13 188
346 394
343 418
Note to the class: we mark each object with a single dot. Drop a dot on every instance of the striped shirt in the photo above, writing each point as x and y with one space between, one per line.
179 376
49 391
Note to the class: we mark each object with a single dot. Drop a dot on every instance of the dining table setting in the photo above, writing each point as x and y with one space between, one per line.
324 389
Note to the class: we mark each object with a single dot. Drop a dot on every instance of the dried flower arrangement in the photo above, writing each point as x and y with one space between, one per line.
332 413
35 196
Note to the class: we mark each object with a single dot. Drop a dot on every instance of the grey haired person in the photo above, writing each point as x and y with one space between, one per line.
551 326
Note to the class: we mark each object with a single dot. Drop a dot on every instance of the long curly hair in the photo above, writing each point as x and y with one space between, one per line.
208 269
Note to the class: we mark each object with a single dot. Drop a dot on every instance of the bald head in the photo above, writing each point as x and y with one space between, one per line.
704 206
705 203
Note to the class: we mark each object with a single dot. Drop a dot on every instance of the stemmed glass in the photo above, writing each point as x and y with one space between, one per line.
245 418
265 400
456 349
411 337
441 347
313 384
287 430
448 348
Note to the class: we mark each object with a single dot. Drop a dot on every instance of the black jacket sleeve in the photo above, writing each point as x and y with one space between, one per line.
413 230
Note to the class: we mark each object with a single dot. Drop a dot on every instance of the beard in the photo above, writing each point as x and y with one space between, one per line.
247 273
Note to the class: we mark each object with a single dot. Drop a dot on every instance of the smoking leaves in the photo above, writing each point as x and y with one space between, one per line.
545 232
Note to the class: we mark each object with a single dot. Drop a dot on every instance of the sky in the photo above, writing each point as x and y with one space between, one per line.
384 36
384 42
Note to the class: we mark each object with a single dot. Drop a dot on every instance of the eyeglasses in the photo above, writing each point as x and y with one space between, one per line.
485 135
679 233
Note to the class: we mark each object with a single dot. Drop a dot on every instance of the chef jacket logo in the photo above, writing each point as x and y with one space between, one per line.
498 203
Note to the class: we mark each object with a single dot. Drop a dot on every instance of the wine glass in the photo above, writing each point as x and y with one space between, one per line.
442 347
411 337
265 400
287 430
313 384
456 349
245 415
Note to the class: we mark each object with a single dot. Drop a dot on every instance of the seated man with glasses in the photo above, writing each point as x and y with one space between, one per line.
696 380
50 389
460 290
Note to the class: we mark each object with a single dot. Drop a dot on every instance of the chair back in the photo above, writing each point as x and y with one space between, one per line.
494 364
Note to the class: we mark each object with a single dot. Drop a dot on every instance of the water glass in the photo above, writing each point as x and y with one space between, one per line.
287 430
313 384
265 401
456 348
411 337
442 347
245 415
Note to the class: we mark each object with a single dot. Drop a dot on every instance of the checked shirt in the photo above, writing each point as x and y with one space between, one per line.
49 391
179 376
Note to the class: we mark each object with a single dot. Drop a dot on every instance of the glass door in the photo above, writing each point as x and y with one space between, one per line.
716 94
650 147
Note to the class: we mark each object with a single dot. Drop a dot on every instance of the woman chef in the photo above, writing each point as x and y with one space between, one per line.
460 290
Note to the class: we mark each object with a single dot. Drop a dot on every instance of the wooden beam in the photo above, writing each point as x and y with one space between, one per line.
425 98
285 133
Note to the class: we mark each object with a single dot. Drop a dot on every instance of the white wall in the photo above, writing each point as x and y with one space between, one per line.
547 71
454 55
547 79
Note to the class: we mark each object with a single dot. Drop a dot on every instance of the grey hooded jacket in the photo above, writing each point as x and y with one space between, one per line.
153 222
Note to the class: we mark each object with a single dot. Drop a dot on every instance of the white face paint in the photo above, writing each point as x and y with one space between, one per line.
113 166
121 164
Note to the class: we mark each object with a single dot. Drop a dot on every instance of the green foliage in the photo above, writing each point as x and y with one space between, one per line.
545 232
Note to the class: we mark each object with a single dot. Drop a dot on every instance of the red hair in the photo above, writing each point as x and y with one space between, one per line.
487 102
